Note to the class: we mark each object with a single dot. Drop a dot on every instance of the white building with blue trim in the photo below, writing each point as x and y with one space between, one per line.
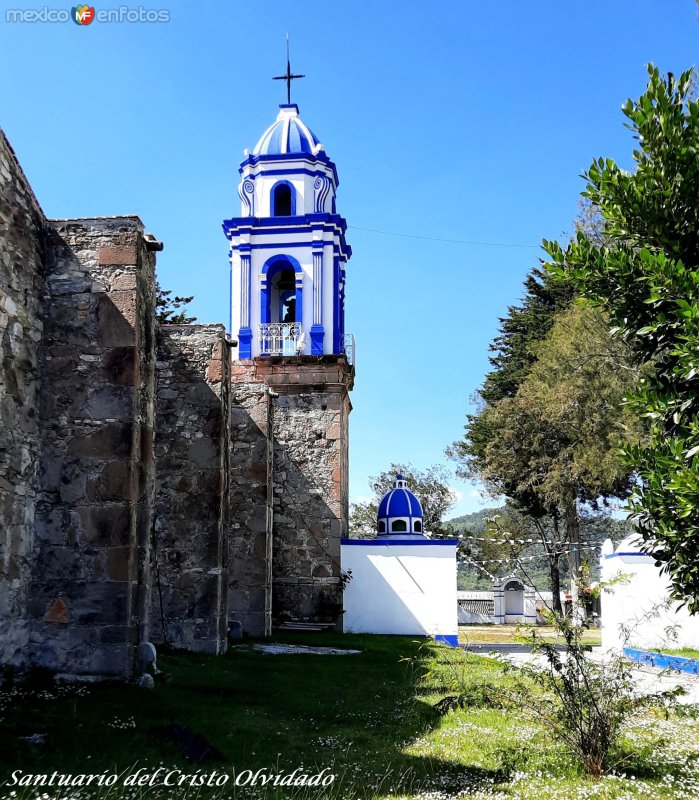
402 581
288 251
637 609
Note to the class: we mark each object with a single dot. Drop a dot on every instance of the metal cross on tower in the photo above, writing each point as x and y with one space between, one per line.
289 76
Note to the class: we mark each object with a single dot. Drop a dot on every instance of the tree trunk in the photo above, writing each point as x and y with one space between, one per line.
572 523
552 549
555 580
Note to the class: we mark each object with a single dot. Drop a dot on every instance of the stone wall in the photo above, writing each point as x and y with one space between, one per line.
90 586
102 545
22 227
190 587
249 598
308 413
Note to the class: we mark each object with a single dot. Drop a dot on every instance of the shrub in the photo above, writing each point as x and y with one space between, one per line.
582 699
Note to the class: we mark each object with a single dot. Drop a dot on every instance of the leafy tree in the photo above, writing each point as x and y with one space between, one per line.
512 351
555 443
512 356
528 546
517 529
589 221
171 310
430 486
646 274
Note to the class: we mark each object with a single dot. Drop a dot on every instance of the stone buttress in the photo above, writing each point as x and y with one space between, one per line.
90 583
190 581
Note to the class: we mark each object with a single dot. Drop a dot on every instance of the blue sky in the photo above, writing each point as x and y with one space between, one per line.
455 120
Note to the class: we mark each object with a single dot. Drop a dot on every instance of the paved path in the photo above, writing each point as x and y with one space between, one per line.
648 679
501 648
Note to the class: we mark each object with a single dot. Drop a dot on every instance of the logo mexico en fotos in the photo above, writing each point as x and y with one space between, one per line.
84 14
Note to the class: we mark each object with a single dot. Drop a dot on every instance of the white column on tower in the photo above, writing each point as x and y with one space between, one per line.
245 290
318 286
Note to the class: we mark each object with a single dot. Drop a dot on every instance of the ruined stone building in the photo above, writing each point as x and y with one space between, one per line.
162 482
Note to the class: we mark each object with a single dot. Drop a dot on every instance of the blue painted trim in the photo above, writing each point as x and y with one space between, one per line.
337 340
269 270
299 299
333 224
387 541
663 661
319 158
304 220
270 266
638 555
342 306
287 245
312 173
447 638
293 200
265 304
245 343
317 337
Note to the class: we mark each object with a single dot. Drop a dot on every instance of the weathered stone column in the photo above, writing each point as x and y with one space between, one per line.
22 227
190 581
90 586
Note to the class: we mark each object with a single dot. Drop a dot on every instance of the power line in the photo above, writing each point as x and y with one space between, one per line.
440 239
533 540
518 558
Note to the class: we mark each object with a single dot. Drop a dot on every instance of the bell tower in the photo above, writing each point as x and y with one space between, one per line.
287 249
291 375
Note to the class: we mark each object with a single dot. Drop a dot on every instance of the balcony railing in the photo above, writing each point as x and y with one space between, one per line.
348 348
288 339
280 338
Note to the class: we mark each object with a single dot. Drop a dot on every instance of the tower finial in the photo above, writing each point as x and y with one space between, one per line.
289 76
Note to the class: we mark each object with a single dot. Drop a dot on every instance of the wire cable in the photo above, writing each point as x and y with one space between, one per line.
439 239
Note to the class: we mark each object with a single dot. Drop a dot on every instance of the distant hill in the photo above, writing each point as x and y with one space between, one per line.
534 566
475 521
468 576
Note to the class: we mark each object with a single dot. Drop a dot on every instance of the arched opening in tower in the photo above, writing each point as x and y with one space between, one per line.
283 305
282 201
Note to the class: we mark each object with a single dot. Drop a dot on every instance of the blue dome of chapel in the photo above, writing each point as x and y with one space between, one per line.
399 511
288 135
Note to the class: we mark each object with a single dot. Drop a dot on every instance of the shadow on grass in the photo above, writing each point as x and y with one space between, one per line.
350 714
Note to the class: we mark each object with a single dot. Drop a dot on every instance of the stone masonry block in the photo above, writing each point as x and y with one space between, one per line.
122 255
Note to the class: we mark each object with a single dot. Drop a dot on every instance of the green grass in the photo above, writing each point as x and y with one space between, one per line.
684 652
369 719
516 634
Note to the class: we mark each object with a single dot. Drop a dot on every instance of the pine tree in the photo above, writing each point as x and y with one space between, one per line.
171 310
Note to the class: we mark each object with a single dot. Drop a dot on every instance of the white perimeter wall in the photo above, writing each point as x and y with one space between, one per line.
632 605
400 589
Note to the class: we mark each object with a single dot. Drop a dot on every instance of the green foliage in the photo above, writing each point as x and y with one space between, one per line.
558 438
171 310
584 701
513 350
430 486
591 713
555 443
646 276
370 719
513 353
472 528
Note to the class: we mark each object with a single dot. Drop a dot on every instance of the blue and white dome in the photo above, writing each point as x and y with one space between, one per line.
288 135
400 512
